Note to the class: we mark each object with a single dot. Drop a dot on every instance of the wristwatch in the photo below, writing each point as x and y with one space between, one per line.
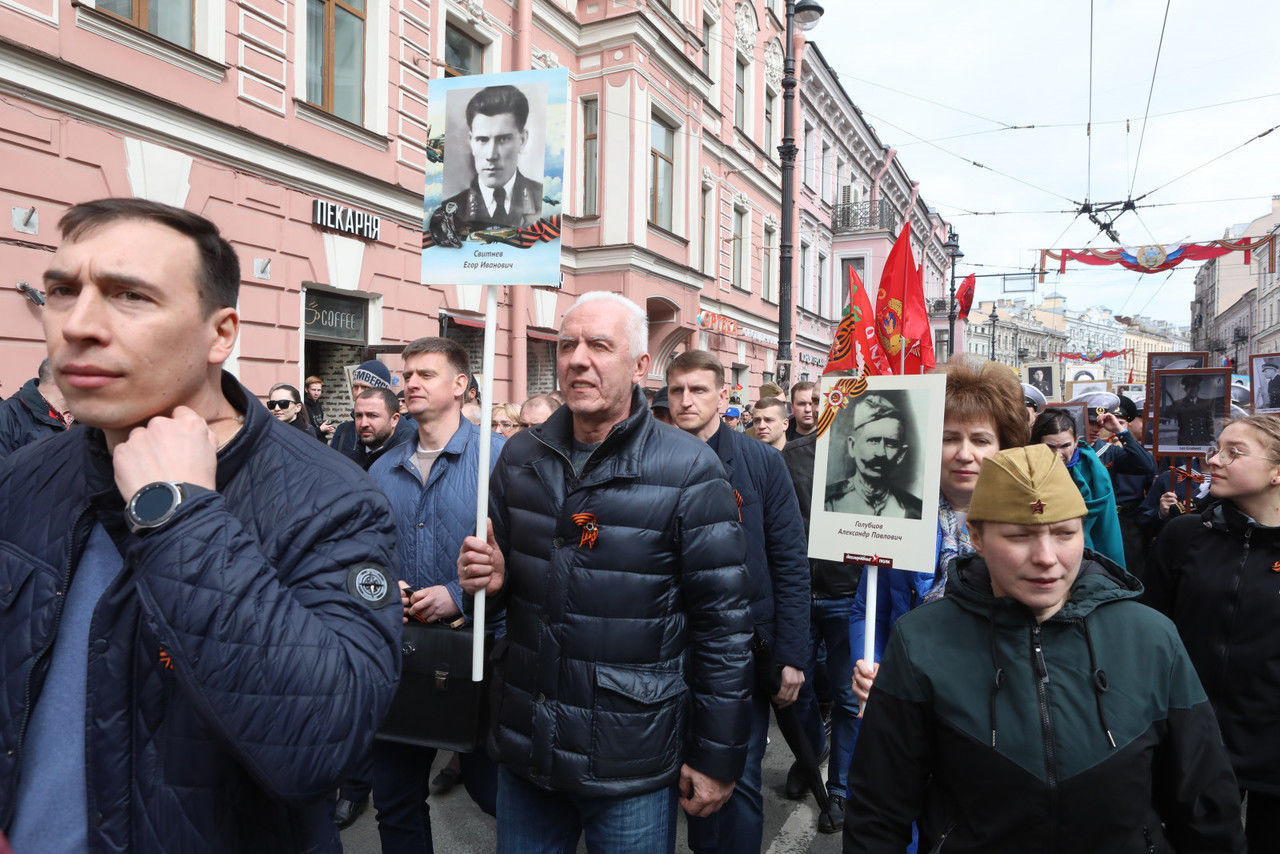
154 504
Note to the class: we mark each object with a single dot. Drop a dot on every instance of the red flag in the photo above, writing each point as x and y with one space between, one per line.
856 347
1131 375
901 318
965 297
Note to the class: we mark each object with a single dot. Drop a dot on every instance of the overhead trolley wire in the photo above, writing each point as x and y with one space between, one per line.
1151 90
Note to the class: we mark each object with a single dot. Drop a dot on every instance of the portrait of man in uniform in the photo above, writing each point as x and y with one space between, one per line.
866 471
499 193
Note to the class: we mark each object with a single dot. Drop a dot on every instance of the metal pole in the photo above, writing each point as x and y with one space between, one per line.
951 314
993 333
787 156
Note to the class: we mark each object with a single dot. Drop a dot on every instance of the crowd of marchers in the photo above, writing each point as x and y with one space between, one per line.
202 597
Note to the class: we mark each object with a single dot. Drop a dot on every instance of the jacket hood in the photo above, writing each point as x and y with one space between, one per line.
1100 582
36 403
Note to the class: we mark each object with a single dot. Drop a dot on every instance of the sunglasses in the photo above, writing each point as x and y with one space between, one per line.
279 404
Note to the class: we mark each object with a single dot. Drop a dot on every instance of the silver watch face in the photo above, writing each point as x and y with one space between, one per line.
153 504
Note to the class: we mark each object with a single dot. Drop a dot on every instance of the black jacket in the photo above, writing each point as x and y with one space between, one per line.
829 579
346 441
628 628
777 548
522 209
234 671
1216 574
26 418
1088 732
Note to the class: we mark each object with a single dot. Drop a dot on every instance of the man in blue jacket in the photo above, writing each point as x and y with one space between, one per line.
198 623
623 683
777 579
431 481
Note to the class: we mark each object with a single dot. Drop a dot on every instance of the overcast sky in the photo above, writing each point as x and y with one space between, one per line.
994 63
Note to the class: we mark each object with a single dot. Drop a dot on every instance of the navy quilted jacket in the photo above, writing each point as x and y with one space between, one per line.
273 675
628 654
777 548
25 418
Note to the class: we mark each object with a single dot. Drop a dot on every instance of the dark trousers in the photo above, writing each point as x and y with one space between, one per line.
1262 823
1135 543
401 782
359 781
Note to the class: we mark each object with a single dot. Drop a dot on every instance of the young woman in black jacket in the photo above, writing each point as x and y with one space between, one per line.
1216 574
285 403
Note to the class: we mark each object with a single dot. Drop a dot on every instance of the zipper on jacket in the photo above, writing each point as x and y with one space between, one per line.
1151 846
1236 581
1046 730
72 549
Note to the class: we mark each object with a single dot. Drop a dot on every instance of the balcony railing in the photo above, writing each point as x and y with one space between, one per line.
864 216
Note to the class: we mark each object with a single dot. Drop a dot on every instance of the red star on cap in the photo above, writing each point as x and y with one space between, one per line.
1037 506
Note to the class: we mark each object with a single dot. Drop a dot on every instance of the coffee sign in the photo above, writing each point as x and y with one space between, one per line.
332 316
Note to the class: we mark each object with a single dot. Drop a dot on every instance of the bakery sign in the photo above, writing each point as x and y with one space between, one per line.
713 322
338 217
810 359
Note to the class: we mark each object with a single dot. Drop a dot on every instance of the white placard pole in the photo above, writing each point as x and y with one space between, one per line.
869 629
482 478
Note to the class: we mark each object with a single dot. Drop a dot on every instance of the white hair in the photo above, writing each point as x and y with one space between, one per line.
635 324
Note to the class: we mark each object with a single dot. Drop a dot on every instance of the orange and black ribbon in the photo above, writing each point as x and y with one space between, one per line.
737 496
590 530
1186 474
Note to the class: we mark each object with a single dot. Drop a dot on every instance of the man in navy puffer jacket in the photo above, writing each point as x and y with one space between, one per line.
197 622
778 579
626 666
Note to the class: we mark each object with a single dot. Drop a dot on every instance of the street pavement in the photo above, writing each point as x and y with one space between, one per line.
459 827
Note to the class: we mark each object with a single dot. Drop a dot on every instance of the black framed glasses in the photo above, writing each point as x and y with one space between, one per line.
279 404
1227 456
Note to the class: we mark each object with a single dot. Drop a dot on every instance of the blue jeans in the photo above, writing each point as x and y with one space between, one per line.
532 820
401 781
829 623
738 825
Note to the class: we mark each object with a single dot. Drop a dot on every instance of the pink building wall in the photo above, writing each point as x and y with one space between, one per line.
90 106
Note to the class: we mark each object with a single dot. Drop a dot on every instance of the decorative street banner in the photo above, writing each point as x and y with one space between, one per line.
1157 258
495 178
876 471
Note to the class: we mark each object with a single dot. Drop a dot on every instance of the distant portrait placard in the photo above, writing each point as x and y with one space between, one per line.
876 471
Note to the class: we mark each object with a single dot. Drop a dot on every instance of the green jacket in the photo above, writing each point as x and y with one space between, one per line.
1088 732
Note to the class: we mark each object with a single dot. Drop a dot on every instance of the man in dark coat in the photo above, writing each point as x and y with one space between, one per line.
200 631
778 579
617 552
36 411
377 419
499 194
367 375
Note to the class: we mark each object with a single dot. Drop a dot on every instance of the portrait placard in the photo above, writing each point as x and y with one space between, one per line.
1161 362
876 471
1075 388
1264 373
1193 405
495 178
1044 377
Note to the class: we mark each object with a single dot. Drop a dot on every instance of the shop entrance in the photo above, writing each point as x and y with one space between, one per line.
335 338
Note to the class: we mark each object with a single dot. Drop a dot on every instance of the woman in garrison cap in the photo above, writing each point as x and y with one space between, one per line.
1038 706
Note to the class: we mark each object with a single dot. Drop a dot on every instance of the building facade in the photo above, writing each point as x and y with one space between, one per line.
854 198
301 131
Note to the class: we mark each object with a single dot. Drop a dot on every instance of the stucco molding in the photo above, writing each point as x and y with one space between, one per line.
746 28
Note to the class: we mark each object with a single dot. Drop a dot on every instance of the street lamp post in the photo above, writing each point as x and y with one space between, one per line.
952 248
803 14
994 318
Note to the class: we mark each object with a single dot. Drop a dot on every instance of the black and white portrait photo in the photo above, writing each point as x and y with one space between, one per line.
1264 372
871 470
877 464
494 154
1193 406
1043 378
1084 374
